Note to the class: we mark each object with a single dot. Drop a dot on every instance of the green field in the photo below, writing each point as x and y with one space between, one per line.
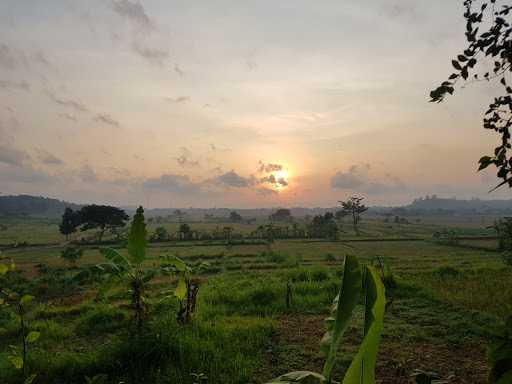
448 300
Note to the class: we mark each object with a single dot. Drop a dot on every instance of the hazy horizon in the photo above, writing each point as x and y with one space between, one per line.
239 105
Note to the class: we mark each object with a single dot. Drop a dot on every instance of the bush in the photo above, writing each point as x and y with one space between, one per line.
507 258
446 272
100 320
71 255
329 257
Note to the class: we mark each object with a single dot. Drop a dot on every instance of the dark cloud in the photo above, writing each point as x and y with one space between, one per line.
19 86
106 119
174 183
358 178
13 156
48 158
153 55
87 174
346 180
134 12
233 179
178 70
68 103
266 192
11 58
23 174
178 100
269 167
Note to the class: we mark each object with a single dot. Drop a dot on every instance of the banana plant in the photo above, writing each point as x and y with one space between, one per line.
362 367
129 269
188 285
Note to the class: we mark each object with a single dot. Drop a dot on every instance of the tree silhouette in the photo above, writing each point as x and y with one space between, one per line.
488 36
102 217
235 217
70 222
354 207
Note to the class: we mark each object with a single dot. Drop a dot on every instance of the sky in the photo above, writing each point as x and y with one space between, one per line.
237 103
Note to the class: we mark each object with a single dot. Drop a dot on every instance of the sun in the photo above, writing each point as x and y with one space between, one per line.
281 178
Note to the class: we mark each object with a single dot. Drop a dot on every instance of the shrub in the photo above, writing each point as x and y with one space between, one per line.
446 272
100 320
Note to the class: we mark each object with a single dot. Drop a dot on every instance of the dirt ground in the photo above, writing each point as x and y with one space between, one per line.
295 346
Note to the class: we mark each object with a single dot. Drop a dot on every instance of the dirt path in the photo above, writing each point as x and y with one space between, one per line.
295 346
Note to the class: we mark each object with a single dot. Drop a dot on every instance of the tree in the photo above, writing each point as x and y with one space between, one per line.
160 234
323 226
71 255
185 232
235 217
102 217
354 207
488 36
129 269
70 222
281 214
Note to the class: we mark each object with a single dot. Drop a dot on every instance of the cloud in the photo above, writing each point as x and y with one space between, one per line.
48 158
106 119
178 70
20 86
68 103
269 167
134 12
266 192
177 100
346 180
233 179
87 174
23 174
10 58
174 183
184 159
67 116
358 178
153 55
13 156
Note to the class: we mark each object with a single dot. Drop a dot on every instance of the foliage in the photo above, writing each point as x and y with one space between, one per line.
20 305
102 217
446 236
70 222
235 217
503 228
120 268
160 234
185 232
188 284
353 207
281 214
488 36
323 226
362 367
71 255
500 355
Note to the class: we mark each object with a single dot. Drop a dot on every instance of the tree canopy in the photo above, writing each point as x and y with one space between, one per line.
488 37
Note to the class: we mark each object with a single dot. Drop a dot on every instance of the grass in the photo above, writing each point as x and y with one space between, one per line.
448 297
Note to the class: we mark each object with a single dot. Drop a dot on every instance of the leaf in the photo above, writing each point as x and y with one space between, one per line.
118 260
32 337
3 269
362 368
456 65
26 299
137 238
181 289
345 303
16 361
30 379
304 377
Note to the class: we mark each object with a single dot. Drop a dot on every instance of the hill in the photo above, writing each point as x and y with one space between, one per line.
26 205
